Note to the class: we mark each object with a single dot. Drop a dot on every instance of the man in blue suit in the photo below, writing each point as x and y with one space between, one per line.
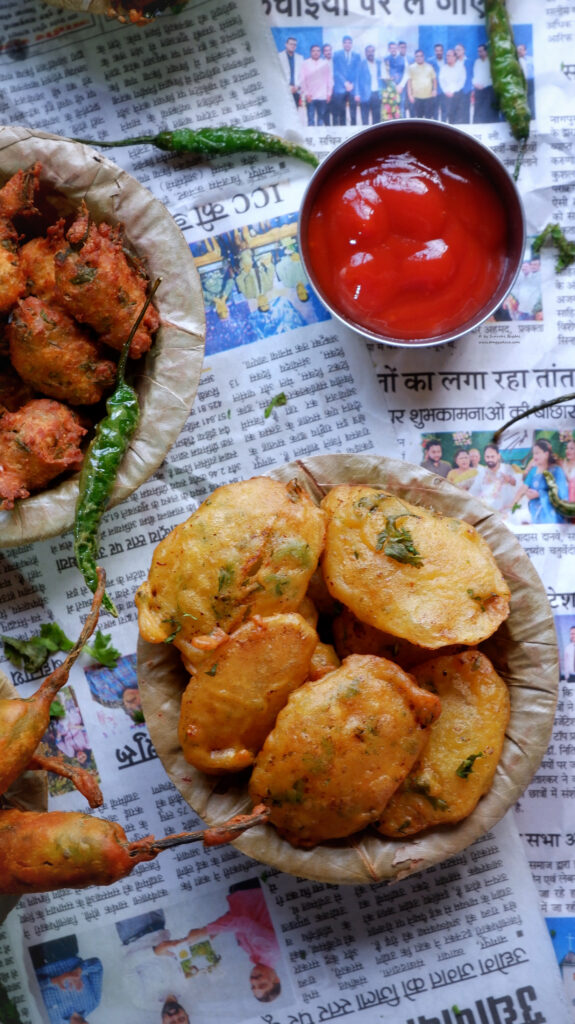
369 86
346 66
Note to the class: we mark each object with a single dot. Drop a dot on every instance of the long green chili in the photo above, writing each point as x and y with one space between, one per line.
101 464
214 142
530 412
565 508
509 83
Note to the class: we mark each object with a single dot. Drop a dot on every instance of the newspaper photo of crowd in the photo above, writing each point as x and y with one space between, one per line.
512 481
254 284
367 75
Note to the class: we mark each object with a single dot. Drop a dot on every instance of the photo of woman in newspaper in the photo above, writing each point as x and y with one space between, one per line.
511 481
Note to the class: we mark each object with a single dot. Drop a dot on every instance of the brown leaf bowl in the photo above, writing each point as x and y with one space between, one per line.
167 377
523 650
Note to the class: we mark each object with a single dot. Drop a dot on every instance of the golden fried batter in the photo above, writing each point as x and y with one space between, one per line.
16 196
340 748
37 260
232 701
54 355
351 636
458 763
37 443
323 660
98 285
249 549
407 571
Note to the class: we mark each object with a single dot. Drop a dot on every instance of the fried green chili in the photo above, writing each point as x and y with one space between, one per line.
509 83
565 508
101 464
214 142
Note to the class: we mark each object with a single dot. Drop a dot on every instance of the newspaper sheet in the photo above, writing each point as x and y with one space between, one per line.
180 938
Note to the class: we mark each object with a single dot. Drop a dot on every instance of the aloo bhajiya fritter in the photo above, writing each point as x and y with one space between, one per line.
249 549
340 748
37 443
459 760
98 284
427 578
53 354
233 699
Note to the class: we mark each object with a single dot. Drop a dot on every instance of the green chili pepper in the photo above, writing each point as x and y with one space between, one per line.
531 411
509 83
101 464
215 142
565 508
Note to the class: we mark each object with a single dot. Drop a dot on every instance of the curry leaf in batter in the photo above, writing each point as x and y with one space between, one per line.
396 541
466 766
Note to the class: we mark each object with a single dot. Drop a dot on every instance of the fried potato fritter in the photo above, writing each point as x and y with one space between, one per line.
98 285
340 748
427 578
249 549
232 701
37 443
323 660
54 355
459 761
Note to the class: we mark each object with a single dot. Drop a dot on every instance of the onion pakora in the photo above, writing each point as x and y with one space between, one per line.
249 549
232 701
99 285
420 576
66 295
51 353
340 748
37 443
459 760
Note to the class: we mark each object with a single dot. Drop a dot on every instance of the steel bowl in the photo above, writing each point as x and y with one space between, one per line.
455 143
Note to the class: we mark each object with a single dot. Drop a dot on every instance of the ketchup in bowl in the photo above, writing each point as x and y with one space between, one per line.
409 239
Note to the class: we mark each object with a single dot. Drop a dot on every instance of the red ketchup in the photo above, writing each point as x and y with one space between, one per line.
407 242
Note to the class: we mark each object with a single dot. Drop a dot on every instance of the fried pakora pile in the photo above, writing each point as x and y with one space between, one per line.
68 299
332 650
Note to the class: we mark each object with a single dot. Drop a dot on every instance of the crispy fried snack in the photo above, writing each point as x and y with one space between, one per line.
99 285
407 571
233 700
16 196
458 763
249 549
323 660
45 851
54 355
37 443
23 721
37 260
340 748
351 636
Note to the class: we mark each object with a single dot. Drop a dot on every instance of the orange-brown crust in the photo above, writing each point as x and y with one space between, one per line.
37 443
53 354
98 285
